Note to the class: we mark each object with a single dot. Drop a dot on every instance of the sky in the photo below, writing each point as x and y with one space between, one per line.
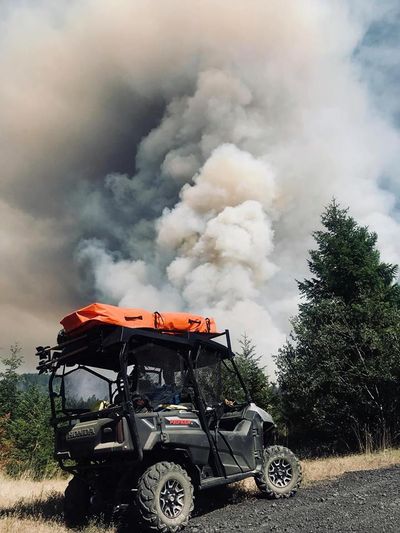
178 155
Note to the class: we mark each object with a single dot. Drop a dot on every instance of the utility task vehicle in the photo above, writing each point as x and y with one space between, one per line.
147 409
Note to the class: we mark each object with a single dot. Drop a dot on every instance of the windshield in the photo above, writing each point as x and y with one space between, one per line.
83 389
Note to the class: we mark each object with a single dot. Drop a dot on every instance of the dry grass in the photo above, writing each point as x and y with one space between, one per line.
27 505
332 467
329 468
30 506
12 490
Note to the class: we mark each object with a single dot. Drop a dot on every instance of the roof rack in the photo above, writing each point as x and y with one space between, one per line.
99 346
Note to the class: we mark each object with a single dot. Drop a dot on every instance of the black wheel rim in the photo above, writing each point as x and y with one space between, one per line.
172 498
280 473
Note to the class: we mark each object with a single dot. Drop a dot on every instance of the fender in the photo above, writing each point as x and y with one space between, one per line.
265 417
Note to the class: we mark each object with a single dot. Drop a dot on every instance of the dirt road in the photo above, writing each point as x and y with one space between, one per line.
357 502
365 501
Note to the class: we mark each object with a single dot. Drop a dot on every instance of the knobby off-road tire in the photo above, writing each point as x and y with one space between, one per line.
165 497
76 502
281 473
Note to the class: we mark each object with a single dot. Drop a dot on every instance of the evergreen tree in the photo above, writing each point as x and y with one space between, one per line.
26 380
26 437
9 380
339 372
31 436
253 374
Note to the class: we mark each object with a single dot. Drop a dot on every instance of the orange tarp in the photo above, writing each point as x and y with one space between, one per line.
97 313
109 314
184 322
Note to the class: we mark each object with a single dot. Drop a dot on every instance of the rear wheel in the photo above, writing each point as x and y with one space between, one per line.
281 473
76 502
165 497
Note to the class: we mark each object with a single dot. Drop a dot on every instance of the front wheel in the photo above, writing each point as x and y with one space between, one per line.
281 473
165 497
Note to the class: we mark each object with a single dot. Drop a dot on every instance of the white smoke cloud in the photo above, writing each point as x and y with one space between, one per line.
124 281
219 232
183 152
228 260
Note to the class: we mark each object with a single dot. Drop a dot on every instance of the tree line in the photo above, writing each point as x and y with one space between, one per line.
26 440
338 374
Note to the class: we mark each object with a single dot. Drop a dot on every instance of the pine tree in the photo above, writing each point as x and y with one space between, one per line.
339 372
9 380
26 437
254 375
31 436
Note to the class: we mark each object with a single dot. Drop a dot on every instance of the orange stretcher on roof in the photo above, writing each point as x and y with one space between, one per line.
97 313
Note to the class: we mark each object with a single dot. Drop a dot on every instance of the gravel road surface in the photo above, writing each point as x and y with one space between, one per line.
356 502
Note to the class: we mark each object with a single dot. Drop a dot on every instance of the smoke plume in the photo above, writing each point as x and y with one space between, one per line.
177 155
